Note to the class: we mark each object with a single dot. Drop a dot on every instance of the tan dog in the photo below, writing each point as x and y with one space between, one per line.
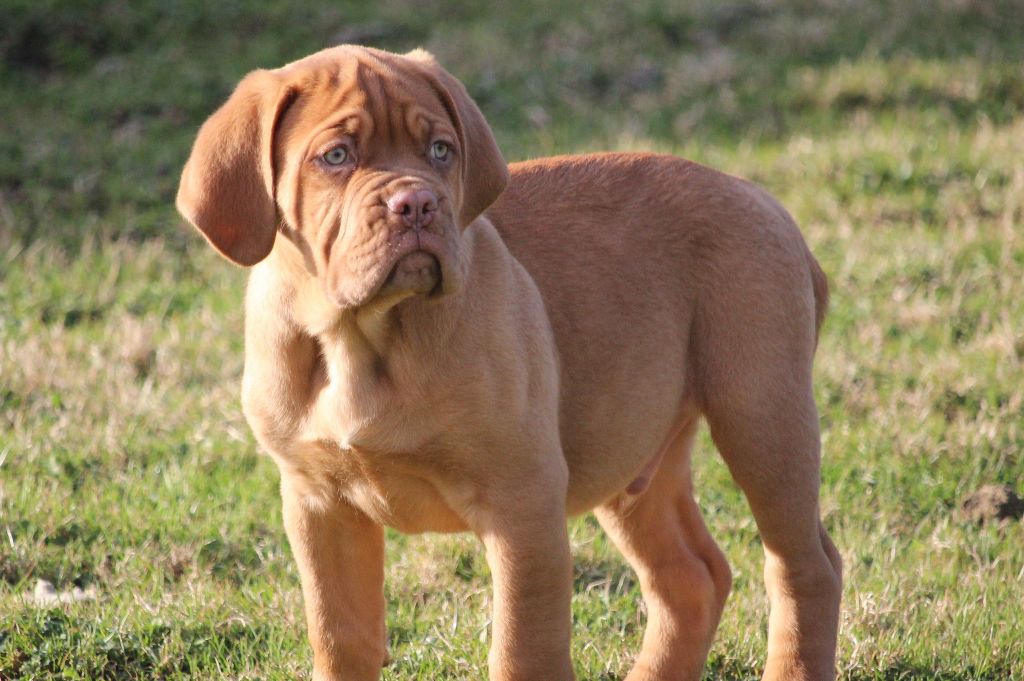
423 354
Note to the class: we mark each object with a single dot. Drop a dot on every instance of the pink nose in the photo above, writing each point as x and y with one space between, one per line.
416 206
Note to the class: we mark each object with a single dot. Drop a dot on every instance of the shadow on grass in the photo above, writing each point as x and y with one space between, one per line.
907 671
721 669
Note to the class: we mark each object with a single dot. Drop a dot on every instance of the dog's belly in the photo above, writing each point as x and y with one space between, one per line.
623 462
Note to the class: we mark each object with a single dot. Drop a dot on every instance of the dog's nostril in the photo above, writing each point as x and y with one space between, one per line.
413 203
399 204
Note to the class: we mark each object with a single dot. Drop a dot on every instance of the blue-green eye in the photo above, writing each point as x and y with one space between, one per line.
335 156
439 150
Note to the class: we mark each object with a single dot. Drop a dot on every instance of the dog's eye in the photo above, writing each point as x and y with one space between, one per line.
335 156
439 150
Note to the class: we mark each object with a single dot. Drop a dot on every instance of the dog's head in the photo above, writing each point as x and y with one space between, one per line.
372 163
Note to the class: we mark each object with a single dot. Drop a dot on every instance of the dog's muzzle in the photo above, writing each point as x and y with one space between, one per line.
418 272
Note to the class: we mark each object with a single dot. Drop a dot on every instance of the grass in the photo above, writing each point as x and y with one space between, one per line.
893 132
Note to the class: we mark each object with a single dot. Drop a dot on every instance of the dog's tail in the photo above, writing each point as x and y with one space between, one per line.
819 282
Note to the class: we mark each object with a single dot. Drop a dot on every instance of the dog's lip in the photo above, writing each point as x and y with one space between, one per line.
431 244
408 242
411 256
412 242
426 242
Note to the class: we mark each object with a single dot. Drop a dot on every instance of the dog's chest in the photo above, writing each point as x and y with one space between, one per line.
383 439
386 466
395 489
397 495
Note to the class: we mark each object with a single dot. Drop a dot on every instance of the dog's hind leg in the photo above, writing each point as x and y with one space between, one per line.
773 456
754 374
684 576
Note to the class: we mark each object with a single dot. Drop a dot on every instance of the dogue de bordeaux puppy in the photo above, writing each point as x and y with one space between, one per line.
438 341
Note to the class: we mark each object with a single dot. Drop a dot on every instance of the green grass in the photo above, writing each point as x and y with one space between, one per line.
893 131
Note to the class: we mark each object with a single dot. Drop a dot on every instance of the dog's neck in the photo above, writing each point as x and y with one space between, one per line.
380 362
379 323
402 331
392 339
375 321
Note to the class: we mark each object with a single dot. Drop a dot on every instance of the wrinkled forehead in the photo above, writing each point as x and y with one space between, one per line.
381 98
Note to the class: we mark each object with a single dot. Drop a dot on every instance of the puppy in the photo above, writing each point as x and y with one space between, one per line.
436 341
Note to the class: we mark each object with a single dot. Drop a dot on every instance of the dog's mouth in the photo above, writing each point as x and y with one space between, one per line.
418 273
421 265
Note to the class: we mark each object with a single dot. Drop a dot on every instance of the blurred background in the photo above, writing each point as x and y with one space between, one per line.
894 132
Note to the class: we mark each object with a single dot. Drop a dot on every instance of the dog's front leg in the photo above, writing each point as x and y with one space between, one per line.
528 552
340 554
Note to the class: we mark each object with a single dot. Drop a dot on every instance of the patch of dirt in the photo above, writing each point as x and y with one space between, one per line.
992 503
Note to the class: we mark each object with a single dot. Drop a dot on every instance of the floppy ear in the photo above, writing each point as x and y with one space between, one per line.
227 185
484 171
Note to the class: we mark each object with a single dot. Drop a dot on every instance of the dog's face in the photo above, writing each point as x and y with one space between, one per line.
371 163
